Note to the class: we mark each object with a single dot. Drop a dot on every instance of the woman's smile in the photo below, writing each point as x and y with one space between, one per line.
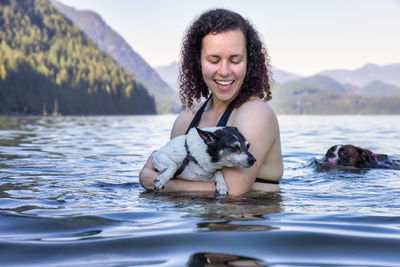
224 85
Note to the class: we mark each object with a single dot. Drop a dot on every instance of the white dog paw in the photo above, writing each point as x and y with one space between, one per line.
158 185
221 188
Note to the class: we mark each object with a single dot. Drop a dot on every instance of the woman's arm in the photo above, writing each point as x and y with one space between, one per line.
148 174
259 125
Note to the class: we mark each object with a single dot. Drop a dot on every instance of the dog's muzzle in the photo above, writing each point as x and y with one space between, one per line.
332 161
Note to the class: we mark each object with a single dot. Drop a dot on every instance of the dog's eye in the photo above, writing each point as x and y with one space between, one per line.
235 148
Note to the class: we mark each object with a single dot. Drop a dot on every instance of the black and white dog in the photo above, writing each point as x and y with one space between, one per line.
199 156
350 155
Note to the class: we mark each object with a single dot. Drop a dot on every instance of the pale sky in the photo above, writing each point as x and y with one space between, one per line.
301 36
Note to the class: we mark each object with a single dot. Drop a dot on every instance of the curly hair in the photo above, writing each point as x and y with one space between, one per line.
257 79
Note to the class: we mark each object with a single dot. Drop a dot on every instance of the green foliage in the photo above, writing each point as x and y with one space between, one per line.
44 57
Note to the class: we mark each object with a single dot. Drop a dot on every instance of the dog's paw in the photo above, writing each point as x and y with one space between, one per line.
221 188
158 185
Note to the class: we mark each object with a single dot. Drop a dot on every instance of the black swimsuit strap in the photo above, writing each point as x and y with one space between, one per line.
225 117
222 121
197 117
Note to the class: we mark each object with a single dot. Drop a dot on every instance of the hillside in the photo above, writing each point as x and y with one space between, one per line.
112 43
363 76
298 98
45 58
281 76
169 73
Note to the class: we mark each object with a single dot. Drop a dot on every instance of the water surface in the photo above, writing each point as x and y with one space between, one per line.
69 195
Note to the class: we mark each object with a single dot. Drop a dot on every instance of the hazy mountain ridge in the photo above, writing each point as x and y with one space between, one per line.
169 73
298 98
281 76
112 43
44 59
367 74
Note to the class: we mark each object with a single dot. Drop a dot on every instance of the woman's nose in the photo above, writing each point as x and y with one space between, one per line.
224 69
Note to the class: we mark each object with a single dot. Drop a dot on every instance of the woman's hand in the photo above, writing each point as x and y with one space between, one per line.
148 174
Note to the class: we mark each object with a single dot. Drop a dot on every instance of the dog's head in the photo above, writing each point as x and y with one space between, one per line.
227 147
349 155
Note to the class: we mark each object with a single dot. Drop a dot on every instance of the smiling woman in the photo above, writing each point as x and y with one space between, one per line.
224 61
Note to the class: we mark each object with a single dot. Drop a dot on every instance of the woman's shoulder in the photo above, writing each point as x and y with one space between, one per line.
255 116
183 120
256 108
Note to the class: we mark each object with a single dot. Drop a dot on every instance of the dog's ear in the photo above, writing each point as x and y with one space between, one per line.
208 137
366 157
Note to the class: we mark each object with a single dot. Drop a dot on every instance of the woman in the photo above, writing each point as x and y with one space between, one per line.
224 61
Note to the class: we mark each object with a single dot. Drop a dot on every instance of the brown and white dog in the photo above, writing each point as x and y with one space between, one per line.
350 155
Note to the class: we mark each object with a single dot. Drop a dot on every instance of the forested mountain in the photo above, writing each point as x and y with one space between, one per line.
45 58
112 43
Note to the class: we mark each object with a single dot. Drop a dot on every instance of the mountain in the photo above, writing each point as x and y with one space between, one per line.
298 98
379 89
325 83
320 82
112 43
169 73
369 73
281 76
45 59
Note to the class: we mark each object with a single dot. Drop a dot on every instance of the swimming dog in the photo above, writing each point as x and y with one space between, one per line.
200 155
350 155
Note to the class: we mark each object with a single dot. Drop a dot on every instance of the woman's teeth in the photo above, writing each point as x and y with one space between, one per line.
224 82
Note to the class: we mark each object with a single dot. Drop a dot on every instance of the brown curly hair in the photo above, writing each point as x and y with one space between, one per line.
257 79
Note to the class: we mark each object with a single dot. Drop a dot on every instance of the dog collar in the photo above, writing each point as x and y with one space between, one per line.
189 155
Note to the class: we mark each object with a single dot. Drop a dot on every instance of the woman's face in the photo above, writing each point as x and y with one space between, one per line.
224 63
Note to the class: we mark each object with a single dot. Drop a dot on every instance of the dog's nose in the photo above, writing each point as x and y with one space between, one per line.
251 160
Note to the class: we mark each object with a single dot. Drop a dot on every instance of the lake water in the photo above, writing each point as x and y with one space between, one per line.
70 196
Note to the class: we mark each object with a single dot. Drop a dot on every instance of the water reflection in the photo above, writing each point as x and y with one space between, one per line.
209 206
222 260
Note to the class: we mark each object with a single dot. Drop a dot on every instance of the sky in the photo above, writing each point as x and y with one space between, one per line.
301 36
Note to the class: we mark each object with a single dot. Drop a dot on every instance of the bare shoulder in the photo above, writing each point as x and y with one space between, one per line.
183 121
256 114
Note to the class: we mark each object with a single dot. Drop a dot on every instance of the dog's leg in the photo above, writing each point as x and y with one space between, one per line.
162 179
220 184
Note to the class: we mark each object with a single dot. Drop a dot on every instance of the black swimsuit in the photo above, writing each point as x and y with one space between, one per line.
222 122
